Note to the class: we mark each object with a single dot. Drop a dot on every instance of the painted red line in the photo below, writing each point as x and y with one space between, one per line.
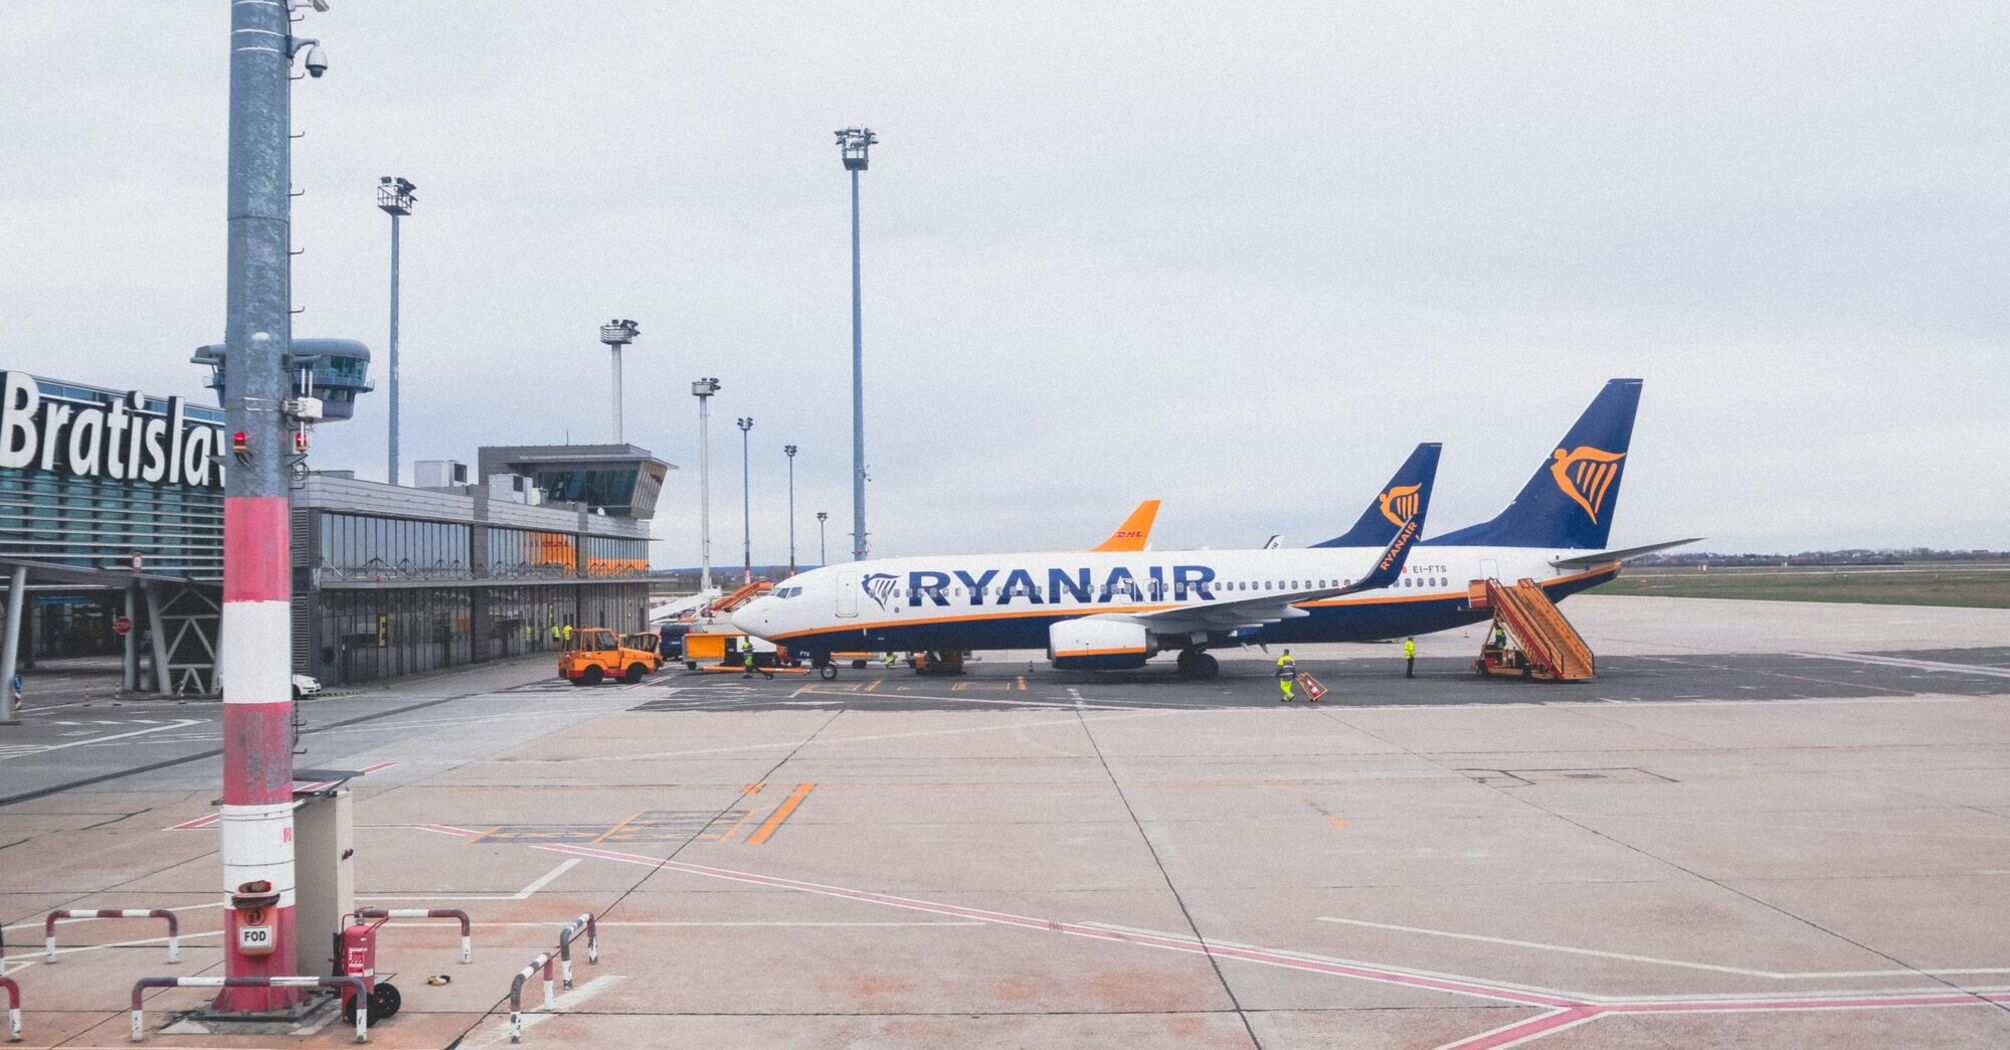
1479 990
256 564
1525 1031
194 825
1864 1002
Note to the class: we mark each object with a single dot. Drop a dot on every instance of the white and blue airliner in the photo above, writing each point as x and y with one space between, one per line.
1115 611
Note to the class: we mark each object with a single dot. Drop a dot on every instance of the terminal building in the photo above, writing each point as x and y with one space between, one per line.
111 516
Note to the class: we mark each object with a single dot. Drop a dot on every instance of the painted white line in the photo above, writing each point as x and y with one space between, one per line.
545 879
1983 670
16 964
643 924
180 724
785 745
566 1003
1655 961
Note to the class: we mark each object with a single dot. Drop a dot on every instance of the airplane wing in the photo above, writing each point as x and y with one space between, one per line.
1135 532
1257 610
1586 561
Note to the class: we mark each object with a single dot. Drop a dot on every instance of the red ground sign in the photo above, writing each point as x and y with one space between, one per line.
1313 689
122 625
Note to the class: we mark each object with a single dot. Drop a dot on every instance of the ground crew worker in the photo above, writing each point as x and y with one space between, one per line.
555 632
1409 658
892 661
1287 675
568 632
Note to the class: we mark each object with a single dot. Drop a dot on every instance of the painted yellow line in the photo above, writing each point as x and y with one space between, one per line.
874 685
1022 683
781 813
609 833
484 835
727 836
1335 821
752 789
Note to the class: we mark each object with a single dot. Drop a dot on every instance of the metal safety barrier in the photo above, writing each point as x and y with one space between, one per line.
174 926
355 984
565 937
516 994
467 937
13 1009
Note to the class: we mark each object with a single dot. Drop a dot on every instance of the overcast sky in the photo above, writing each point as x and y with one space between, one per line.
1240 257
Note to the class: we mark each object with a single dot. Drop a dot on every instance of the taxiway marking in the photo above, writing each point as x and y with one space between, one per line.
565 1003
774 821
1657 961
43 749
1984 670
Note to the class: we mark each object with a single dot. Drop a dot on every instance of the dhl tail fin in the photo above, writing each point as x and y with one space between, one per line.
1136 530
1404 497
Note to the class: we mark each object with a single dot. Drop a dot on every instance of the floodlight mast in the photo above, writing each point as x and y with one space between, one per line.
394 198
855 148
616 334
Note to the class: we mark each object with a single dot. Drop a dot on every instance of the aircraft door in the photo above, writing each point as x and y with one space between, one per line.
847 594
1489 569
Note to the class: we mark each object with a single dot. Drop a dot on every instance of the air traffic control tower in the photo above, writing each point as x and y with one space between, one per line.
620 481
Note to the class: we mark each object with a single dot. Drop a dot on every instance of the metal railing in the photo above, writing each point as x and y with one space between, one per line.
174 926
355 984
467 938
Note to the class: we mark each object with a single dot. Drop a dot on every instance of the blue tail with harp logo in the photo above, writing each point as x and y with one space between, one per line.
1570 501
1399 500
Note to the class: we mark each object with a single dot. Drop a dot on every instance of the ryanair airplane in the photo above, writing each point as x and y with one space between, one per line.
1114 611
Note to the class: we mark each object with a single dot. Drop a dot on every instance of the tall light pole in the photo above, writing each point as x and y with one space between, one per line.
790 451
617 334
854 145
255 824
746 423
823 556
703 389
394 196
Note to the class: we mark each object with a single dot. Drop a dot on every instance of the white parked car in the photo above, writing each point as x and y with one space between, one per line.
305 685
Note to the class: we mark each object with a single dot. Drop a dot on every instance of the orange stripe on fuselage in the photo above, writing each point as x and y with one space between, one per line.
1103 652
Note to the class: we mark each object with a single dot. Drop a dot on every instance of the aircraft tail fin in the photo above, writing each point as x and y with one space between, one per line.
1569 502
1400 500
1135 532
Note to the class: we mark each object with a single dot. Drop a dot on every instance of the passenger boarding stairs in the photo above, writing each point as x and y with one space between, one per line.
1541 643
727 603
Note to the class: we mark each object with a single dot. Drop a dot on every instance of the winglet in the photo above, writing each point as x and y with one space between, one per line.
1134 532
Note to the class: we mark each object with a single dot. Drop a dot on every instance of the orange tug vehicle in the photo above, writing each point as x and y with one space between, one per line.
596 654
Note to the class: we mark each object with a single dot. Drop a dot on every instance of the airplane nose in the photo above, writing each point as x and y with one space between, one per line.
750 617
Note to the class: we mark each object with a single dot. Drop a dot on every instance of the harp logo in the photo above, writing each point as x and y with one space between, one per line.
1399 503
879 586
1586 474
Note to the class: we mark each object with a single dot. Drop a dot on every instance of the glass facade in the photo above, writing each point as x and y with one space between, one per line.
372 633
520 553
610 557
595 488
92 520
361 546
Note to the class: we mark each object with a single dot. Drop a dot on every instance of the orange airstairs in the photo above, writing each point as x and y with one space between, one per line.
1530 637
728 602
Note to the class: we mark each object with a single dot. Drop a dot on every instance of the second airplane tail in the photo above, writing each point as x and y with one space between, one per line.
1403 498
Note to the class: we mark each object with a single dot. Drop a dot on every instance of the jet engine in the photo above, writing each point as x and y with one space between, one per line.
1094 644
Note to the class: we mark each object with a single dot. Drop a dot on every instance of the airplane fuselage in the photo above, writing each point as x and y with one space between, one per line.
977 602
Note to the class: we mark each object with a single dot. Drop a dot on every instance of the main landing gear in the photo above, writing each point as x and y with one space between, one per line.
1193 663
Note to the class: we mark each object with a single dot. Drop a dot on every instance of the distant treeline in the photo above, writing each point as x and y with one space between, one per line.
1909 556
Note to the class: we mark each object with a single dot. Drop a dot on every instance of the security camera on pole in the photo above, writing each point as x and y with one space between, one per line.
256 822
616 334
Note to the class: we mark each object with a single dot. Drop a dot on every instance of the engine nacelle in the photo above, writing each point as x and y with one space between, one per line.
1091 644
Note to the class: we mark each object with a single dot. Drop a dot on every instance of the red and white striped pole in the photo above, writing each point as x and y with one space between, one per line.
255 661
